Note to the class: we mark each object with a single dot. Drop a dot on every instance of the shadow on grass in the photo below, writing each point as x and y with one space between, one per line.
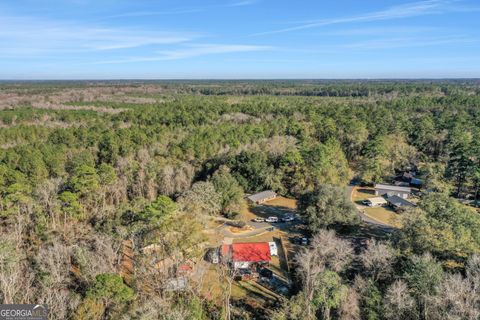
366 191
265 211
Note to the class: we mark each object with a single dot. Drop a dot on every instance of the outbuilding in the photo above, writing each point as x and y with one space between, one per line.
399 203
262 197
391 190
376 201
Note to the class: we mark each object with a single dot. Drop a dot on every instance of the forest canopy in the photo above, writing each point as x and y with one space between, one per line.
93 171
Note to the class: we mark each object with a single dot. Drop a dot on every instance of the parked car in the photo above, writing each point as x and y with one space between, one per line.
258 220
304 241
272 219
295 240
287 219
366 203
266 273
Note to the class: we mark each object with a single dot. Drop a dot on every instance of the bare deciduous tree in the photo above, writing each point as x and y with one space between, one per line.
15 275
377 260
473 267
175 179
327 251
399 304
46 194
457 298
350 308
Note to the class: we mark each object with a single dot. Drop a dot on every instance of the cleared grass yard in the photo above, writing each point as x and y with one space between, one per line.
362 193
283 202
277 207
384 215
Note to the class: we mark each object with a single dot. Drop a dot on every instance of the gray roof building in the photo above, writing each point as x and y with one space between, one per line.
397 202
391 190
262 196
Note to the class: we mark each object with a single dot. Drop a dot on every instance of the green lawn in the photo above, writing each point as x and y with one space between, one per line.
384 215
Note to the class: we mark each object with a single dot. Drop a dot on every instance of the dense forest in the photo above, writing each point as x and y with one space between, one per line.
90 170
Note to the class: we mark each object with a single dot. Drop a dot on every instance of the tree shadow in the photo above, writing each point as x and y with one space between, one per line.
368 191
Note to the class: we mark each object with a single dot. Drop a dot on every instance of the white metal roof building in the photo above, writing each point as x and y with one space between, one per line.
391 190
377 201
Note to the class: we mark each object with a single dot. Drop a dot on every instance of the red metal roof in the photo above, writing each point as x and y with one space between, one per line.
247 252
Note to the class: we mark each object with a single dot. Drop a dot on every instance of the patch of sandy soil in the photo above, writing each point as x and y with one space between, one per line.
283 202
247 228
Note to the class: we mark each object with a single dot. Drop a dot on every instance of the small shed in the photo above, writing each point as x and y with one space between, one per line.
262 197
391 190
376 201
399 203
417 183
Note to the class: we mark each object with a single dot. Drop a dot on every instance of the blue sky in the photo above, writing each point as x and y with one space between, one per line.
148 39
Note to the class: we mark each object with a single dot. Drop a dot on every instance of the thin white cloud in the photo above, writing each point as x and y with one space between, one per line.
26 36
408 42
153 13
426 7
390 43
191 51
376 31
206 49
178 11
241 3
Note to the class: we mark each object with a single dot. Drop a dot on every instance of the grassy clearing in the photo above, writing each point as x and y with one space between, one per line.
264 237
277 207
362 193
283 202
384 215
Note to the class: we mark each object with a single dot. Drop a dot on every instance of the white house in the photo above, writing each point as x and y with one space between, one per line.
391 190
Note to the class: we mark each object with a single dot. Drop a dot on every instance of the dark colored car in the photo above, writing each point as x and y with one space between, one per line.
287 219
267 273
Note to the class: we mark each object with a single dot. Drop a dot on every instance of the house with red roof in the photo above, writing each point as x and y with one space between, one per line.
243 255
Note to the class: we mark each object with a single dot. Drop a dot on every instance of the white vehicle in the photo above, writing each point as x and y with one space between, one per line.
273 248
288 219
271 219
375 202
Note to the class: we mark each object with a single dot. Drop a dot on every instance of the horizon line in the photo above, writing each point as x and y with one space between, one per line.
238 79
